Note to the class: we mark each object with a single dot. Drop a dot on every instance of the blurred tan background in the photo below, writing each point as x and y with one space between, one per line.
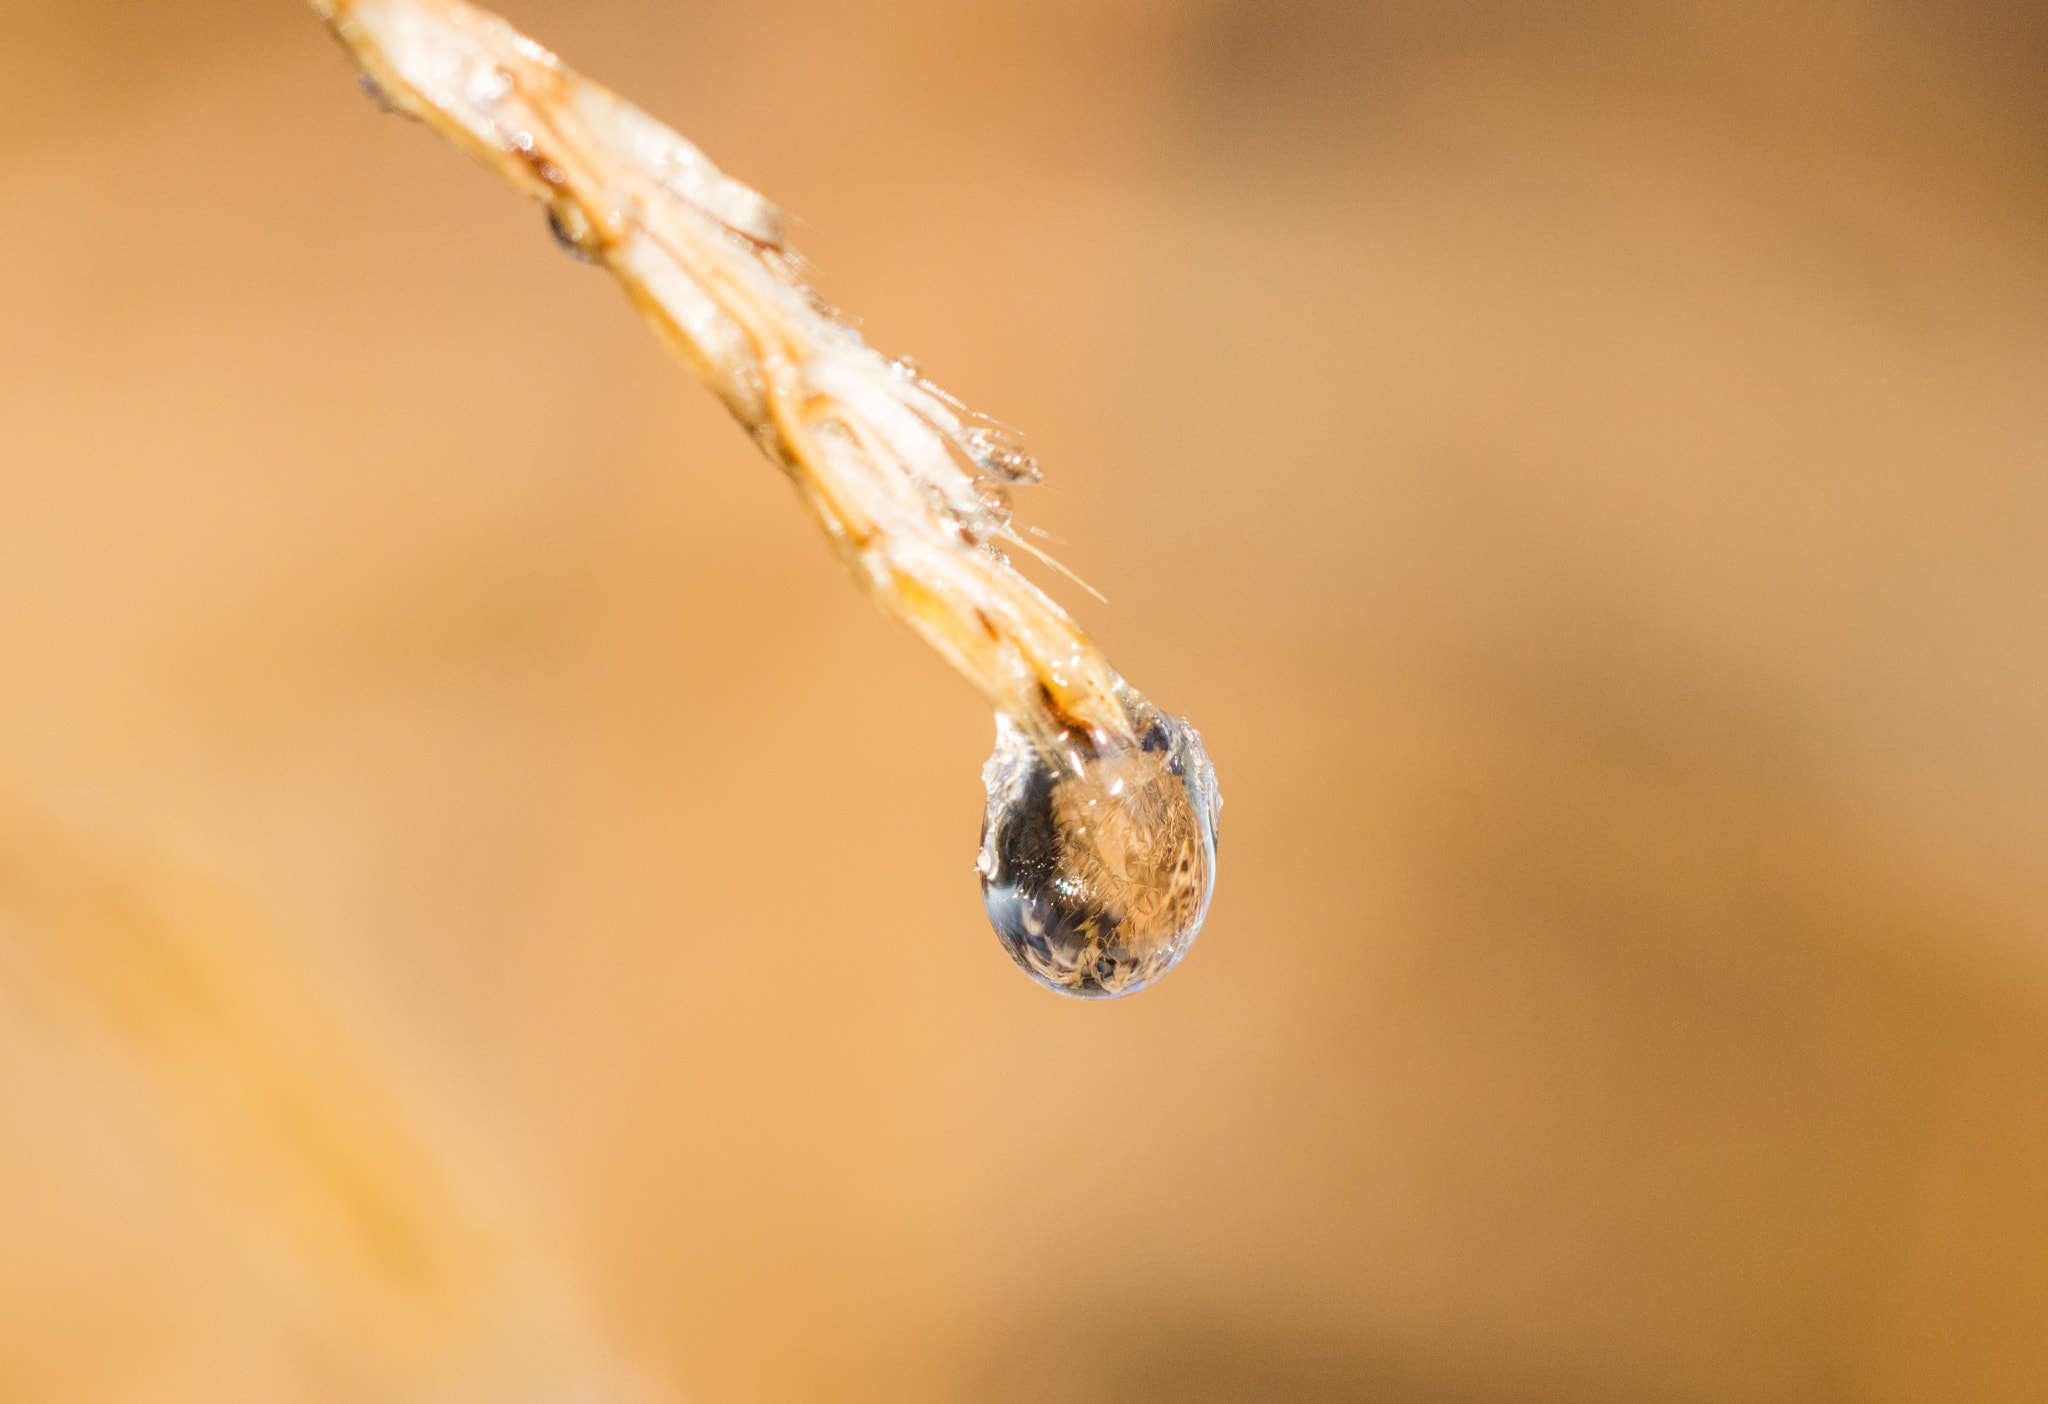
486 909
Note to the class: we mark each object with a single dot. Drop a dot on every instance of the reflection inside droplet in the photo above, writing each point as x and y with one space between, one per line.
1097 861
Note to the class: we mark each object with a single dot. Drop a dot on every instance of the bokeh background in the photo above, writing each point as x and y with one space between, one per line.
486 909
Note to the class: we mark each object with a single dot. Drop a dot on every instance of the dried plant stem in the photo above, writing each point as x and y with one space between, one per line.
907 484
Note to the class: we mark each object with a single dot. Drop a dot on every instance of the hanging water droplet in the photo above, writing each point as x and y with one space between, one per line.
996 505
375 92
1097 862
571 228
996 450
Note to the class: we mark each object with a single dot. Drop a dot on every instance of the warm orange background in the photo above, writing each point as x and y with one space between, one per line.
1584 467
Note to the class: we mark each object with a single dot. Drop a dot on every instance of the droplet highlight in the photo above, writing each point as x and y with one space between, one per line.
1097 861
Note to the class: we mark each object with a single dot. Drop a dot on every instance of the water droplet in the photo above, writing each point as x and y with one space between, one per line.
572 231
1097 861
996 506
997 451
375 92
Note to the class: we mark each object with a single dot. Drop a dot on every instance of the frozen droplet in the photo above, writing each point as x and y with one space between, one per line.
1097 861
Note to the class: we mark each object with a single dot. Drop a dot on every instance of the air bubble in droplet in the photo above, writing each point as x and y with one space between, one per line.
1097 861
